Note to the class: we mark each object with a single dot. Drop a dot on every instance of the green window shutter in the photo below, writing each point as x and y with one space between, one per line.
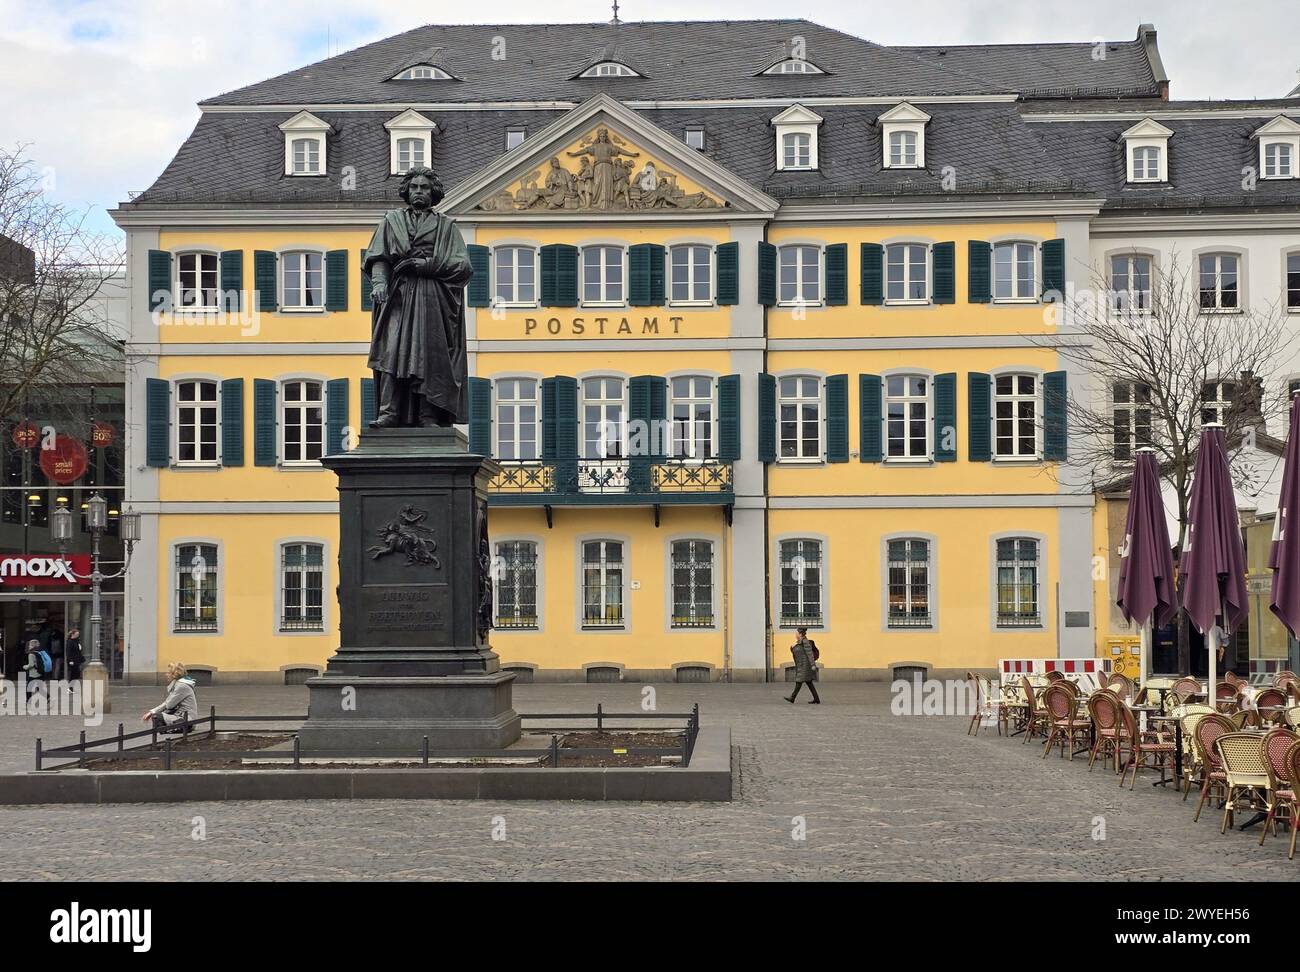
265 269
264 444
1053 266
479 291
559 275
837 275
945 417
979 392
336 415
232 422
873 273
728 270
336 280
766 274
870 429
640 409
658 260
979 256
158 418
232 280
1055 423
766 418
480 416
729 418
566 417
367 302
160 279
369 407
638 275
548 419
944 269
837 418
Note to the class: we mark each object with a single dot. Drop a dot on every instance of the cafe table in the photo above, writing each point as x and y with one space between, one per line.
1159 716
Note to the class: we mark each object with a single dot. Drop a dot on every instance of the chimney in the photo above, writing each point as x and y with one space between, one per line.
1147 35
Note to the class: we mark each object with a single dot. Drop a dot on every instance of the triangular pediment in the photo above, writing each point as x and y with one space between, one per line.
903 112
1148 128
305 121
797 115
410 120
1281 125
603 158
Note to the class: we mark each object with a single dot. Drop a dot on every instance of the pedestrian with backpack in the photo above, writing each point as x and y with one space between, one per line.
805 653
39 664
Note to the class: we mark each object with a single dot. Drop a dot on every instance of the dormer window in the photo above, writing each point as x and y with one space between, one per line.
1279 149
609 69
796 138
514 137
794 65
304 145
1146 146
902 131
695 138
423 72
410 137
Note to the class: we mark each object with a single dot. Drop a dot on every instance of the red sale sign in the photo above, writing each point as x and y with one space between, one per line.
66 462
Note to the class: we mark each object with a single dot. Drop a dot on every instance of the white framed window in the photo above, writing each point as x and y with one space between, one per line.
1217 401
603 275
602 584
1293 281
1146 163
801 583
907 417
1015 271
799 275
1279 160
609 69
1219 283
1279 148
304 145
1132 418
799 417
1130 282
1146 151
907 273
691 408
794 65
197 281
196 423
902 150
302 421
1015 416
604 418
908 580
1019 583
515 137
695 139
302 280
410 154
516 586
422 72
516 276
903 136
196 584
692 583
518 420
302 583
410 141
691 274
796 138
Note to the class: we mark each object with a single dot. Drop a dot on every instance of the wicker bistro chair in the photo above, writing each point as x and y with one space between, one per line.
987 702
1292 759
1103 709
1281 678
1064 722
1231 678
1245 719
1103 679
1271 705
1245 771
1056 677
1292 717
1187 686
1227 697
1121 685
1151 744
1281 784
1036 723
1210 727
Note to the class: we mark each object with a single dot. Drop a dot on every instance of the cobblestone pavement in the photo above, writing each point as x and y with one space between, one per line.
883 797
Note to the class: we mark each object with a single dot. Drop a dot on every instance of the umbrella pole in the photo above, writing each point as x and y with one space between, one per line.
1144 647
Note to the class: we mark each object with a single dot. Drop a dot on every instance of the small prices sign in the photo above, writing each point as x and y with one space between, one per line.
66 462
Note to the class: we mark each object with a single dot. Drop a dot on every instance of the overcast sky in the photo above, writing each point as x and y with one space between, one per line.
104 91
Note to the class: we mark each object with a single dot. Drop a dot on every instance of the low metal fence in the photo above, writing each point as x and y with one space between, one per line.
87 751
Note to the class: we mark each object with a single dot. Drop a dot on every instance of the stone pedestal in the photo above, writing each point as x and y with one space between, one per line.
415 602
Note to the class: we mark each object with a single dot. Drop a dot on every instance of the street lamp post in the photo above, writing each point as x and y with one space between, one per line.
97 521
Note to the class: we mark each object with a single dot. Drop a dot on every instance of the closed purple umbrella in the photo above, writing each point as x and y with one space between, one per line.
1146 568
1214 561
1284 556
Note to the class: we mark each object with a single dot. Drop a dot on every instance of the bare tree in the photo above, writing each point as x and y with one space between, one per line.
54 331
1162 355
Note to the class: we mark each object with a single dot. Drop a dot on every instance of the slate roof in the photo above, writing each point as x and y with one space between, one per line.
1053 70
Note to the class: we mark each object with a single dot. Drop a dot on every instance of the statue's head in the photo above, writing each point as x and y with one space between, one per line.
602 135
421 188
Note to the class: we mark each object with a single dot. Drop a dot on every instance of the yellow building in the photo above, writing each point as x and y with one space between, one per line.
758 341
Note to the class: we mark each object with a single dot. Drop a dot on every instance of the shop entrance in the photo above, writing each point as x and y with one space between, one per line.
48 619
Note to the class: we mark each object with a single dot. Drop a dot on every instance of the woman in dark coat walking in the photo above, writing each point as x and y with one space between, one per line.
805 668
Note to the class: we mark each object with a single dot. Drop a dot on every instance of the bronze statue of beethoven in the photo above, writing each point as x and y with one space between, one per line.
418 267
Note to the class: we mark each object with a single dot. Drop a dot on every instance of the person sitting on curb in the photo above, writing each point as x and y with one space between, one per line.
180 706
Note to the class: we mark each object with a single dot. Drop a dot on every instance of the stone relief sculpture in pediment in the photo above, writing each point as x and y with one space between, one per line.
606 180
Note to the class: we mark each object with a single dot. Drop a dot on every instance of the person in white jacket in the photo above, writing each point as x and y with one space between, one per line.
180 704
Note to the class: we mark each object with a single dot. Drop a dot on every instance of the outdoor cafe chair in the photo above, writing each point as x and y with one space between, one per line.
986 703
1281 784
1271 704
1151 744
1103 680
1227 697
1246 718
1103 708
1231 678
1293 765
1245 771
1063 718
1292 717
1281 678
1186 686
1055 676
1193 766
1035 715
1121 685
1210 727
